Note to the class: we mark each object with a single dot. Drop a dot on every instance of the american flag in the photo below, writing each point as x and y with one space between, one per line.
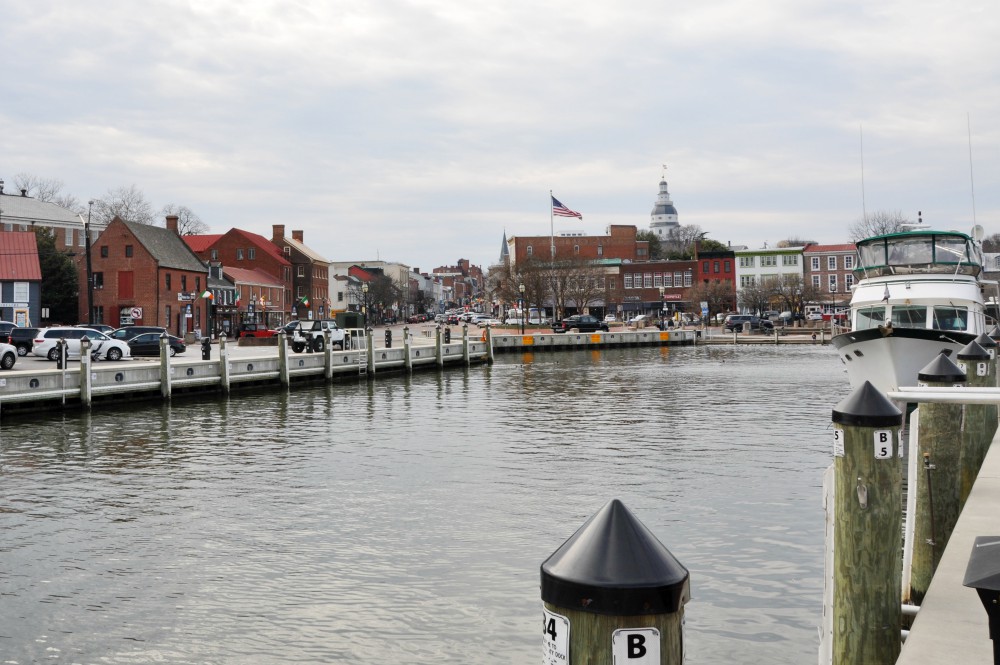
559 210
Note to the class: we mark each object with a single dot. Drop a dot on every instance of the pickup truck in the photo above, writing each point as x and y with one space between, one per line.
309 335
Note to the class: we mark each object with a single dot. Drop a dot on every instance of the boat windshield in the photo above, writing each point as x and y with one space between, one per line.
950 318
916 253
909 316
870 317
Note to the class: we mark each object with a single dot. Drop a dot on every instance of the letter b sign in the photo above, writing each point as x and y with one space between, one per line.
636 646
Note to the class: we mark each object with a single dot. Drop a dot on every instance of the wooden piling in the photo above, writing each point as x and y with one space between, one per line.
465 344
992 412
407 356
868 515
224 370
283 372
974 360
165 377
938 481
613 593
438 348
86 378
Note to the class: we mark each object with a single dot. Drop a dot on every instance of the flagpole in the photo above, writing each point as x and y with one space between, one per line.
552 230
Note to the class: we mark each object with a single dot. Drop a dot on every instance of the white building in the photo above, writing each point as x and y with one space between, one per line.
756 266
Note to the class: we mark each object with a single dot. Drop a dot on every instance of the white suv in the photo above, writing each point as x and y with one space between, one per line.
47 339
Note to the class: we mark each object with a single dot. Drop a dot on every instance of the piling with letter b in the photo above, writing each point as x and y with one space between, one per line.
938 484
613 593
867 505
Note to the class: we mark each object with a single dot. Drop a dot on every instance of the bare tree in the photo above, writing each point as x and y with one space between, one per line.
679 243
188 223
877 223
577 283
43 189
128 203
991 243
756 297
719 294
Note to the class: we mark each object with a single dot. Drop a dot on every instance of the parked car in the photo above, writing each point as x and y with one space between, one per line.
5 328
255 330
99 327
309 334
148 344
8 356
22 339
125 333
814 316
581 322
735 322
610 318
44 344
488 321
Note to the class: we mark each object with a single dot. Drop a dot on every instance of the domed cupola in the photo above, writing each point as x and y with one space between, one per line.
663 219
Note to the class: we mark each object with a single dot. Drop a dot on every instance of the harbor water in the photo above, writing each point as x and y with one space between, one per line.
404 520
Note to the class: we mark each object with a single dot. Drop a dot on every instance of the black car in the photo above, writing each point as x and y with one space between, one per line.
581 322
125 333
23 339
148 344
5 328
735 322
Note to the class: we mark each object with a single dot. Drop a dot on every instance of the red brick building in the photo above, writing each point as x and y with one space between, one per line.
146 275
310 274
830 270
619 243
243 250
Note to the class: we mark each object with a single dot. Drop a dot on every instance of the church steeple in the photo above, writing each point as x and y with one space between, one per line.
663 219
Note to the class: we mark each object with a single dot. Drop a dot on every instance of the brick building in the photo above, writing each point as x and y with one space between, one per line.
145 275
310 275
20 279
830 271
619 243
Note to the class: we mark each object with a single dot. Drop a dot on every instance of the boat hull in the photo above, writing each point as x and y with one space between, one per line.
892 357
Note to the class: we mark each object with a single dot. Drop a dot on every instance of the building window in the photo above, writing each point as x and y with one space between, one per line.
197 284
715 267
340 296
184 283
816 281
128 251
640 251
600 250
848 282
688 278
647 280
833 283
668 279
678 278
815 264
848 262
529 250
746 280
768 261
69 237
628 280
252 253
789 259
98 283
239 254
104 251
166 281
576 249
287 250
301 272
728 267
657 279
214 254
831 263
98 314
704 267
746 262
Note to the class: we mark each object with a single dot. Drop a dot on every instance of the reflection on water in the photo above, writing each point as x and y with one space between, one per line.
405 520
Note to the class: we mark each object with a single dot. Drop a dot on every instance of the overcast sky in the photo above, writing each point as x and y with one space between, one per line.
420 132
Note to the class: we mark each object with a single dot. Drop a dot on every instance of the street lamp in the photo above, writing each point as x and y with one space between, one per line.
663 307
364 306
90 271
520 288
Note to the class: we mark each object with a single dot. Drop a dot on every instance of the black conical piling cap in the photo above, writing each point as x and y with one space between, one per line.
614 565
866 406
995 334
986 341
941 370
973 351
983 570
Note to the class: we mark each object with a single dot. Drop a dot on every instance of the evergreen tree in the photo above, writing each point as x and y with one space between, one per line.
60 286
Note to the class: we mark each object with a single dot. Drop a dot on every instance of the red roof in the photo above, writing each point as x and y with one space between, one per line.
848 247
19 257
263 243
201 243
253 277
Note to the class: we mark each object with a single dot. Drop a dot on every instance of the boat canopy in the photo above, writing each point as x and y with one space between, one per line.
919 252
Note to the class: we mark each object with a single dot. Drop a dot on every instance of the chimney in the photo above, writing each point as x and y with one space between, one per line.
297 235
24 192
278 234
172 223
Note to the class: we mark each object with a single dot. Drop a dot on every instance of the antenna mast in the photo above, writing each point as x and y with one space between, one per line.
972 181
861 142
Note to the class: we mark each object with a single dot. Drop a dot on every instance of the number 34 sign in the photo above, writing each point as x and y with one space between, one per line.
555 638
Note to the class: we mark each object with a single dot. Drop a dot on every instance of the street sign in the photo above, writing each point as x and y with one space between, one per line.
635 646
555 638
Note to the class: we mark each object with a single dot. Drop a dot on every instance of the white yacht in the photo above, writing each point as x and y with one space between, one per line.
919 294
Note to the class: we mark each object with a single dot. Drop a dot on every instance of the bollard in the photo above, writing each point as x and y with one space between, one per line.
206 348
388 338
61 353
974 360
868 518
939 478
613 593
